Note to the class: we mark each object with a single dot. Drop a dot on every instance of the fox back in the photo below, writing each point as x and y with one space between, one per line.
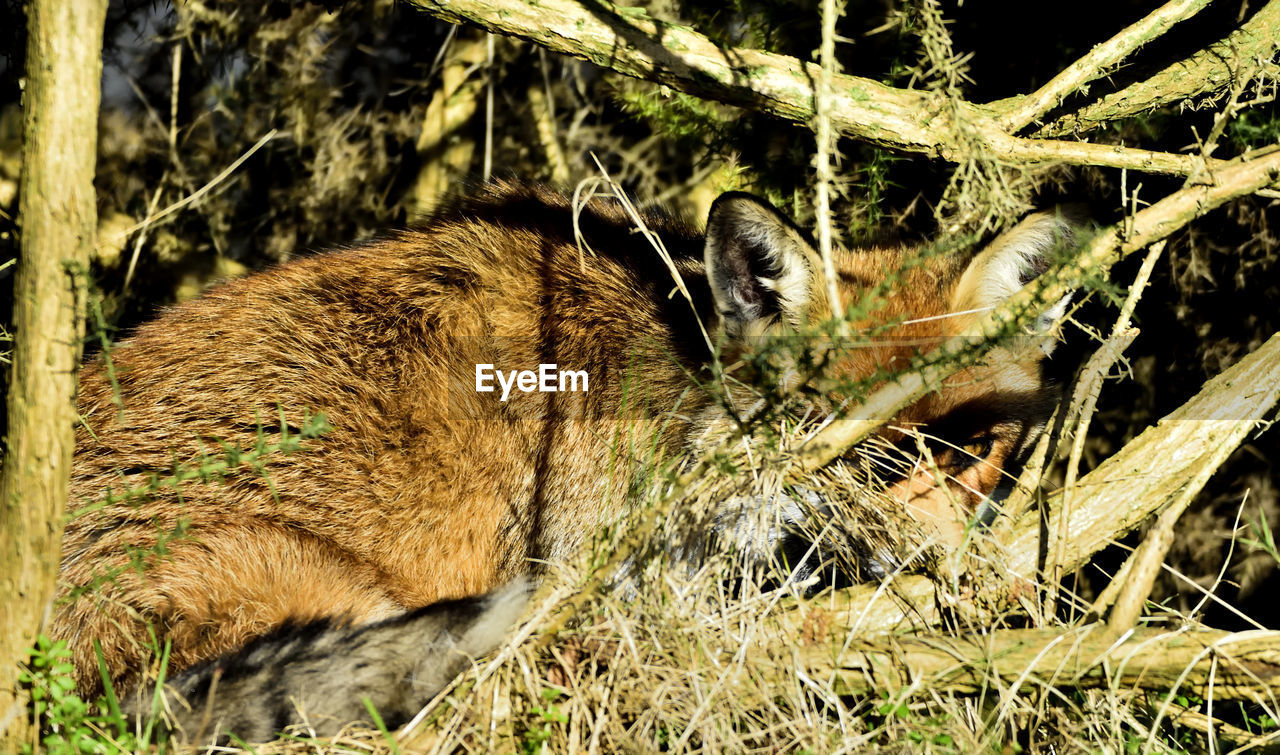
427 487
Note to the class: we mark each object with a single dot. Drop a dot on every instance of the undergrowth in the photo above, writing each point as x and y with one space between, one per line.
67 723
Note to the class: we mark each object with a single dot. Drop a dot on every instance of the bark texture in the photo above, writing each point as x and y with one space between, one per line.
1225 665
59 219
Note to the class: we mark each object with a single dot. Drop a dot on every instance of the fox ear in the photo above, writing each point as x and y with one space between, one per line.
1017 257
759 265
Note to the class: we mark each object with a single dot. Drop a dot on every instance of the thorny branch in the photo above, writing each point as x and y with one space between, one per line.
1243 54
1096 62
822 158
628 41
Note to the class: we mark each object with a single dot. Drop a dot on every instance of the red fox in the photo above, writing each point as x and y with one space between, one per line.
466 370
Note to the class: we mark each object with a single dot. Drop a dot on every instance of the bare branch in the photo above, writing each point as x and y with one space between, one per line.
1247 663
1024 110
1213 69
1085 399
1144 565
1171 460
629 42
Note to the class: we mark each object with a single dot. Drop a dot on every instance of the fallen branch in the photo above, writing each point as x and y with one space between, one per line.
1168 463
1181 661
1162 464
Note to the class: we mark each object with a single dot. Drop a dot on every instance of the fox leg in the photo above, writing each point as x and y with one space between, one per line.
216 589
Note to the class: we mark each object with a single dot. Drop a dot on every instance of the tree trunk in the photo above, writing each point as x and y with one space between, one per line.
59 218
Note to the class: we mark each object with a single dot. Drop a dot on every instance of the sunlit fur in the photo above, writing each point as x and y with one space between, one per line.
425 490
997 406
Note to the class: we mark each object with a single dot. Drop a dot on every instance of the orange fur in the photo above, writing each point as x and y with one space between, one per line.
423 489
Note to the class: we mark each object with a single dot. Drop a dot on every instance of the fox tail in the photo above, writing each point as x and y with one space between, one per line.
324 675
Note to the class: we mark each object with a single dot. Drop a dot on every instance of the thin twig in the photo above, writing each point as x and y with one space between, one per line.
199 193
142 235
175 76
543 104
1084 402
1086 398
1219 729
488 107
140 240
822 156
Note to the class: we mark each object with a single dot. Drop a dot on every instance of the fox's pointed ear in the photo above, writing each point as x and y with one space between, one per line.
759 265
1017 257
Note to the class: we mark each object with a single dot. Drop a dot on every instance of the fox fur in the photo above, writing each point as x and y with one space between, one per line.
425 490
287 676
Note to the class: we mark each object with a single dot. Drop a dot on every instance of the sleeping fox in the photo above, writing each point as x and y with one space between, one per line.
473 374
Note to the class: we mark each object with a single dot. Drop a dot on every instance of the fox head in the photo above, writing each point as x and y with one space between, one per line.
945 457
